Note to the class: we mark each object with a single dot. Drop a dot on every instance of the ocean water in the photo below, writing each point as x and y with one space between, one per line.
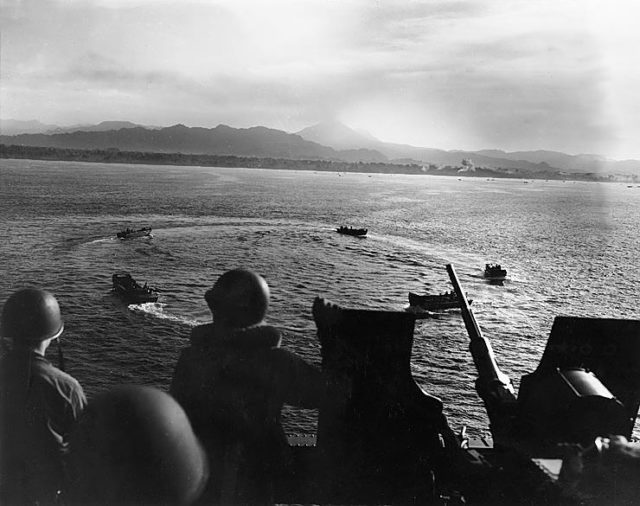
570 249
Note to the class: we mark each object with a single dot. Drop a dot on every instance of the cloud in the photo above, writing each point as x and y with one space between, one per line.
508 74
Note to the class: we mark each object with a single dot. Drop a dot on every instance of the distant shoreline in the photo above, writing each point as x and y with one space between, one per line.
180 159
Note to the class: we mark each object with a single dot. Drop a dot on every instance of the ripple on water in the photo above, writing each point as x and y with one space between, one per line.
569 250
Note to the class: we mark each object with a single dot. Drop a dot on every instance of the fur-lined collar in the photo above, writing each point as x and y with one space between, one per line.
258 336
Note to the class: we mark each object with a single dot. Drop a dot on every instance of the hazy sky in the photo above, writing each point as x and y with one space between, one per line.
551 74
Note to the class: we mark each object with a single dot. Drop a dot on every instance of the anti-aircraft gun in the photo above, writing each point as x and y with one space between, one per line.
382 440
586 386
587 383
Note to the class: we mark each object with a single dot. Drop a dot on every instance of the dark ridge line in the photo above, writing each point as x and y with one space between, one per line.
114 155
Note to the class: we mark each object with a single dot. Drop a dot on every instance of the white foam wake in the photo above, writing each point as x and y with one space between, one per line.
156 309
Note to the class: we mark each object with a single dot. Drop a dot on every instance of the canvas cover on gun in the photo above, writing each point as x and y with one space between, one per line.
610 348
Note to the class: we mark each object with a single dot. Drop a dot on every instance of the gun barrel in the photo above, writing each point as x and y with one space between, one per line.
488 371
465 308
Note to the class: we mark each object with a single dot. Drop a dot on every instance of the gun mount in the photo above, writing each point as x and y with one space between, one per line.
587 383
382 440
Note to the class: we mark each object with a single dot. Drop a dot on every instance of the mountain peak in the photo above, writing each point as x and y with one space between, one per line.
16 126
115 125
337 135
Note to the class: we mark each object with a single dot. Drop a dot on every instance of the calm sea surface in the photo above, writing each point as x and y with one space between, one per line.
570 249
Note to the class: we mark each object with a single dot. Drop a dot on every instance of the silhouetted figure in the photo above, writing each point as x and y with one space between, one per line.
605 472
134 445
233 381
39 403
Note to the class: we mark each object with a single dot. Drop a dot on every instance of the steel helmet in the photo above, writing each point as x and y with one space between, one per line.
31 315
240 297
135 445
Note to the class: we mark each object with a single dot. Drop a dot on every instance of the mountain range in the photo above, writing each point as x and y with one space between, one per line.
324 141
16 127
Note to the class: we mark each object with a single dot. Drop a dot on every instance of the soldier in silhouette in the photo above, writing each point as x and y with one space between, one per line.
39 403
233 381
135 445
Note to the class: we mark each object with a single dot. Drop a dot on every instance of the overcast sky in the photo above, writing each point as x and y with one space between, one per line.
512 75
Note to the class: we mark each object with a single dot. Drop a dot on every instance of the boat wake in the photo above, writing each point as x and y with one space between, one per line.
156 309
75 242
99 240
430 253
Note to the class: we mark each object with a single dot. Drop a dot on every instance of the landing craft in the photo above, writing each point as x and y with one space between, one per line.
352 231
495 272
130 291
448 300
129 233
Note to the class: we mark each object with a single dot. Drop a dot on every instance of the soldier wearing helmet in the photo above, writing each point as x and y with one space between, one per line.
135 445
39 403
233 382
